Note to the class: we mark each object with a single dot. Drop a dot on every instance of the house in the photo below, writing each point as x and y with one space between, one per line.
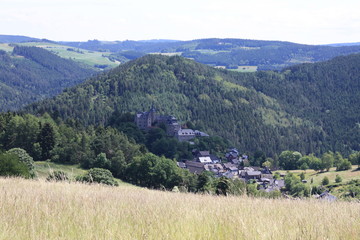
196 153
252 175
233 153
185 134
202 156
269 185
214 158
231 168
215 168
327 197
195 167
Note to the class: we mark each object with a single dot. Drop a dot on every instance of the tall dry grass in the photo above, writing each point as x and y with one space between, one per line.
41 210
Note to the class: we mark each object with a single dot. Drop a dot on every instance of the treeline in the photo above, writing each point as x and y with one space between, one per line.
26 138
30 74
291 160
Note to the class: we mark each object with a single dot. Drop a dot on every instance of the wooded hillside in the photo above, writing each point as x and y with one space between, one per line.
300 108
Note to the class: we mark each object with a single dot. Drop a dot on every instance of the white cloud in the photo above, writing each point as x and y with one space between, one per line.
306 21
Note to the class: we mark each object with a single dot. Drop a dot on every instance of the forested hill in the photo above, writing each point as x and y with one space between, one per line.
208 97
29 74
325 93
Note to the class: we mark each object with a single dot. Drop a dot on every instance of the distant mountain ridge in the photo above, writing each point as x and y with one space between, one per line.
229 53
16 39
343 44
235 54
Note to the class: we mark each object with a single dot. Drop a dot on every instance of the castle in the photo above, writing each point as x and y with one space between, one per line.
147 120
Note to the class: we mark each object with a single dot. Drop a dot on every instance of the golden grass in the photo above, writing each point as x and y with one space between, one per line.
41 210
317 177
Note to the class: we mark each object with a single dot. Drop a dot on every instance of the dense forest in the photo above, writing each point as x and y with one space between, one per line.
30 74
325 93
264 111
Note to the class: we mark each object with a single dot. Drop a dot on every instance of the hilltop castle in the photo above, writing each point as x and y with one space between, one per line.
147 120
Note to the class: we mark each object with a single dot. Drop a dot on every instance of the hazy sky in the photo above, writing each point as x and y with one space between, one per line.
302 21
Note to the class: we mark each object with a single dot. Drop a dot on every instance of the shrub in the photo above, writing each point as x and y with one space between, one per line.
325 181
302 176
338 179
10 165
25 158
57 176
98 175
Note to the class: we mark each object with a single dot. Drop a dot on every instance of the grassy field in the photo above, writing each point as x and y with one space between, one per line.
90 58
317 177
47 210
6 47
44 168
245 69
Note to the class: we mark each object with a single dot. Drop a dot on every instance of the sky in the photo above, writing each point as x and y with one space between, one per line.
300 21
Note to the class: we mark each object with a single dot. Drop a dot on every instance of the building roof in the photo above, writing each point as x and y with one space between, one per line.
253 173
204 153
214 158
201 134
195 167
186 132
229 165
181 164
327 196
205 159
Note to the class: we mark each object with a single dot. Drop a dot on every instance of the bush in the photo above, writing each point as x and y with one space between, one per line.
10 165
325 181
338 179
98 175
57 176
25 158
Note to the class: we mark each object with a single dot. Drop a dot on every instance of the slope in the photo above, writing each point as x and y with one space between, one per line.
91 59
208 97
325 93
30 74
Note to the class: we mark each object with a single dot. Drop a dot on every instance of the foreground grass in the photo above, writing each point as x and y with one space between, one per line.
41 210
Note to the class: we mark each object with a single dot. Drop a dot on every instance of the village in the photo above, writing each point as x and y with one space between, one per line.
231 165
